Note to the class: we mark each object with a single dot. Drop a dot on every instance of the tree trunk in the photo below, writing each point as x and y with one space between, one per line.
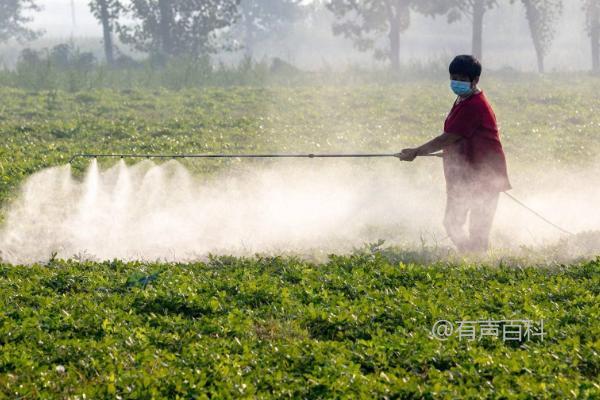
477 43
249 28
394 37
166 17
107 32
533 20
540 60
595 37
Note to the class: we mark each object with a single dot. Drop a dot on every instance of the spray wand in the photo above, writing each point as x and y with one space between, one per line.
275 155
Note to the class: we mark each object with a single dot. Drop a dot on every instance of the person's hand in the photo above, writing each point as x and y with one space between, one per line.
408 154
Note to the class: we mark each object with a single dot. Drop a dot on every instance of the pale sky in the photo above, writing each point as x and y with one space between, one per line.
56 19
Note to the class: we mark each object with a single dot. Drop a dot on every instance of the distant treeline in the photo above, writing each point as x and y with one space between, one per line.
166 29
65 67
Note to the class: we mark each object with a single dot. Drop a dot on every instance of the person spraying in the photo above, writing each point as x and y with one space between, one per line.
473 158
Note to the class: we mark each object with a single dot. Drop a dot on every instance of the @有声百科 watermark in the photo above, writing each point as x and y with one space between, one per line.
517 330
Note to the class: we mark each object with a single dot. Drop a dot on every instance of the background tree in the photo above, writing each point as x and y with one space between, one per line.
541 17
475 11
592 12
13 20
364 22
106 11
259 19
176 27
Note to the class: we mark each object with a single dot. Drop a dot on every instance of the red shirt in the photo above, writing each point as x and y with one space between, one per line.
476 159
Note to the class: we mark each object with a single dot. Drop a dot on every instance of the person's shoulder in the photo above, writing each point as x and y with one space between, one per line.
481 98
480 101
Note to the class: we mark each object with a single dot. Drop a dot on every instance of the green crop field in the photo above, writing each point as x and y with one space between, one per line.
546 126
355 326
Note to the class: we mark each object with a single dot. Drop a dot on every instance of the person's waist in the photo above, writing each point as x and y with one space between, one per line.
473 145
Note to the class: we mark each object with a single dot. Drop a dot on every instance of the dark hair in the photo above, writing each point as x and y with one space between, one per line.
466 65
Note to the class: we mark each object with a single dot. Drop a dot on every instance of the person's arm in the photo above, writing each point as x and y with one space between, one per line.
430 147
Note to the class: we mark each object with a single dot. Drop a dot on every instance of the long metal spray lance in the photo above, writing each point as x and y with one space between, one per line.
275 155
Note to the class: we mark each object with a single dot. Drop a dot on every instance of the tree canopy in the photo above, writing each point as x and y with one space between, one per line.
176 27
13 21
259 19
366 22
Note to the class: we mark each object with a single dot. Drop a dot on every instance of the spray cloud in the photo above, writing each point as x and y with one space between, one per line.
154 211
